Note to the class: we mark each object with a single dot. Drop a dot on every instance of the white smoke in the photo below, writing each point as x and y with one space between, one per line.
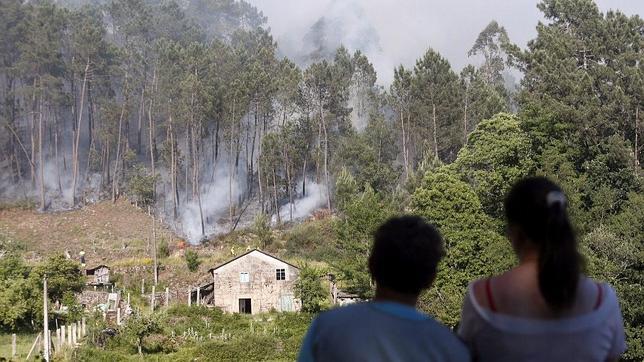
215 204
304 206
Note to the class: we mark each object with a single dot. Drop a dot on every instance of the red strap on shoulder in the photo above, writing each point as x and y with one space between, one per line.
488 291
599 296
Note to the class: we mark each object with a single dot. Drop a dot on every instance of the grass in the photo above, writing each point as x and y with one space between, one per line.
198 333
23 344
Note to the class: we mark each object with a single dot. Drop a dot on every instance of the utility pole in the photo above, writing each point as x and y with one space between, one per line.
154 247
45 337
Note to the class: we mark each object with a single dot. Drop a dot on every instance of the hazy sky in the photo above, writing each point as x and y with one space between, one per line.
406 28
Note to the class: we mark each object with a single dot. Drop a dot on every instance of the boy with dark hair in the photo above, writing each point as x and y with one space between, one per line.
403 262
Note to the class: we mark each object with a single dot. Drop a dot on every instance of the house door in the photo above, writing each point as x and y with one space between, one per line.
286 303
244 306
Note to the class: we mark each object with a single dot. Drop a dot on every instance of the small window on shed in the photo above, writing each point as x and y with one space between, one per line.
280 274
244 277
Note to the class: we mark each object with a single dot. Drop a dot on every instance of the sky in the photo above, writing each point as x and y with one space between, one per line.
406 28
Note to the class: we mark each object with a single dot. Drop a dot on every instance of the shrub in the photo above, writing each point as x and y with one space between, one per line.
309 289
192 260
163 250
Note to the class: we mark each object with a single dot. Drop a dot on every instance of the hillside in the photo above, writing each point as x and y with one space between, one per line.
120 236
106 231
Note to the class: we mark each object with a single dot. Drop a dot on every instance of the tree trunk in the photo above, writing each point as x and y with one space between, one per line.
195 180
326 166
56 136
404 143
467 90
140 123
90 114
77 140
231 170
637 146
252 157
173 171
304 178
187 163
288 181
22 146
152 142
118 143
32 134
41 159
277 209
259 170
435 131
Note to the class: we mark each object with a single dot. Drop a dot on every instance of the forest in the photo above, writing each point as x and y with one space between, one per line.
188 109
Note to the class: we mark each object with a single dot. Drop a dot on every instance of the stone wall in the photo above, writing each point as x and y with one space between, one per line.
263 289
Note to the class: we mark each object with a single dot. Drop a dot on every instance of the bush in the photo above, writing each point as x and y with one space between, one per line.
163 250
310 291
262 228
192 260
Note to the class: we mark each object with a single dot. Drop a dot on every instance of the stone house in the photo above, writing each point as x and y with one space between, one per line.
98 276
251 283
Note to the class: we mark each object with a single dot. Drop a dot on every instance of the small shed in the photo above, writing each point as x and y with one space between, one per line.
98 276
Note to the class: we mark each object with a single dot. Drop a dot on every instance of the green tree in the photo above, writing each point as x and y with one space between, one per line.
137 328
15 293
309 289
262 228
141 185
490 43
436 107
192 260
361 216
63 275
497 154
454 208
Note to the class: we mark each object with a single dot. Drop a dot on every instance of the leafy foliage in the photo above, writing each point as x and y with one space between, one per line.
192 260
309 289
137 328
497 154
21 294
362 214
453 206
262 228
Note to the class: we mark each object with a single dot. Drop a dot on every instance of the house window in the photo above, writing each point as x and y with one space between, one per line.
244 277
280 274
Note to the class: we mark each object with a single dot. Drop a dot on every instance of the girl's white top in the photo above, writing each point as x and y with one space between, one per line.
595 336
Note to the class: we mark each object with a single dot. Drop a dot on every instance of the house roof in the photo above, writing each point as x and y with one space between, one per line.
97 267
248 252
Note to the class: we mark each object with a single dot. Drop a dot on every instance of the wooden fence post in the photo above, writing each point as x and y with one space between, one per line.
57 344
167 296
74 341
153 298
13 346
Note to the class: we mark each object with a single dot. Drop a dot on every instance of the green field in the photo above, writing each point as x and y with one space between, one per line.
23 344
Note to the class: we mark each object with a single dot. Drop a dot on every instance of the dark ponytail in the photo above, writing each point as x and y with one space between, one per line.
537 206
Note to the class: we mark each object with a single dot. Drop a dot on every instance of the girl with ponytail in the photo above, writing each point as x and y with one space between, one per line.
544 309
